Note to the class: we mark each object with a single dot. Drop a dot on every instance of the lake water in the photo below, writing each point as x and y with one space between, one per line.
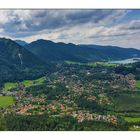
125 61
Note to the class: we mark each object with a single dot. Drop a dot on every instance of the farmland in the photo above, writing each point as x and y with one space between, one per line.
130 119
6 101
27 83
9 85
138 83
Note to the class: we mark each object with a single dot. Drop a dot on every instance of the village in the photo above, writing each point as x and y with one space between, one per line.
64 90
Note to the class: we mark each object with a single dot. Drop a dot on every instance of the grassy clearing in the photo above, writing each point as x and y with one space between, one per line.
8 86
130 119
93 64
102 64
138 83
26 83
72 62
6 101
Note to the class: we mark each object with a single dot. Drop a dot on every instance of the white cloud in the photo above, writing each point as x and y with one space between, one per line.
76 26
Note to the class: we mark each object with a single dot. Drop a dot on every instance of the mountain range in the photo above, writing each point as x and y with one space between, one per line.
51 51
20 60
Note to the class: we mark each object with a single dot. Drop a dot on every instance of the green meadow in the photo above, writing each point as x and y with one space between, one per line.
138 83
130 119
6 101
92 64
27 83
9 85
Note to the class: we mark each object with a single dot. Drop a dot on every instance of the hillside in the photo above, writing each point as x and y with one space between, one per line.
115 52
14 53
50 51
16 62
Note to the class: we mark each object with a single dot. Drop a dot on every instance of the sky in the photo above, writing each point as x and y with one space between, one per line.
102 27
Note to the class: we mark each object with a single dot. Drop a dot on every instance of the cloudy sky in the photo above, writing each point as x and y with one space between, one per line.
105 27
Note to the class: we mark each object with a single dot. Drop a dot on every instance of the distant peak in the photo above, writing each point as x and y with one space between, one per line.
21 42
43 40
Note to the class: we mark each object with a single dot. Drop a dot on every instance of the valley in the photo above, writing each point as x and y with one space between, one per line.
80 94
57 89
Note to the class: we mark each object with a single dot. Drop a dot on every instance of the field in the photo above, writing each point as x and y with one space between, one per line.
138 83
26 83
130 119
92 64
6 101
136 121
8 86
127 106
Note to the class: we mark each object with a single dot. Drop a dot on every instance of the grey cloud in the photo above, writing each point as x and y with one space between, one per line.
133 25
77 26
24 22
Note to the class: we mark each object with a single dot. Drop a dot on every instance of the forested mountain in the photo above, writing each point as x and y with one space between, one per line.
16 62
114 52
50 51
13 53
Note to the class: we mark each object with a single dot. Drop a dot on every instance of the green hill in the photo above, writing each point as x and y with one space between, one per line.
17 63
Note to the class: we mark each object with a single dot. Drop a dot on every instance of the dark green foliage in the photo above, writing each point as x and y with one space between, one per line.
101 126
114 52
11 68
2 123
127 103
37 89
134 69
40 123
65 123
50 51
93 106
59 90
